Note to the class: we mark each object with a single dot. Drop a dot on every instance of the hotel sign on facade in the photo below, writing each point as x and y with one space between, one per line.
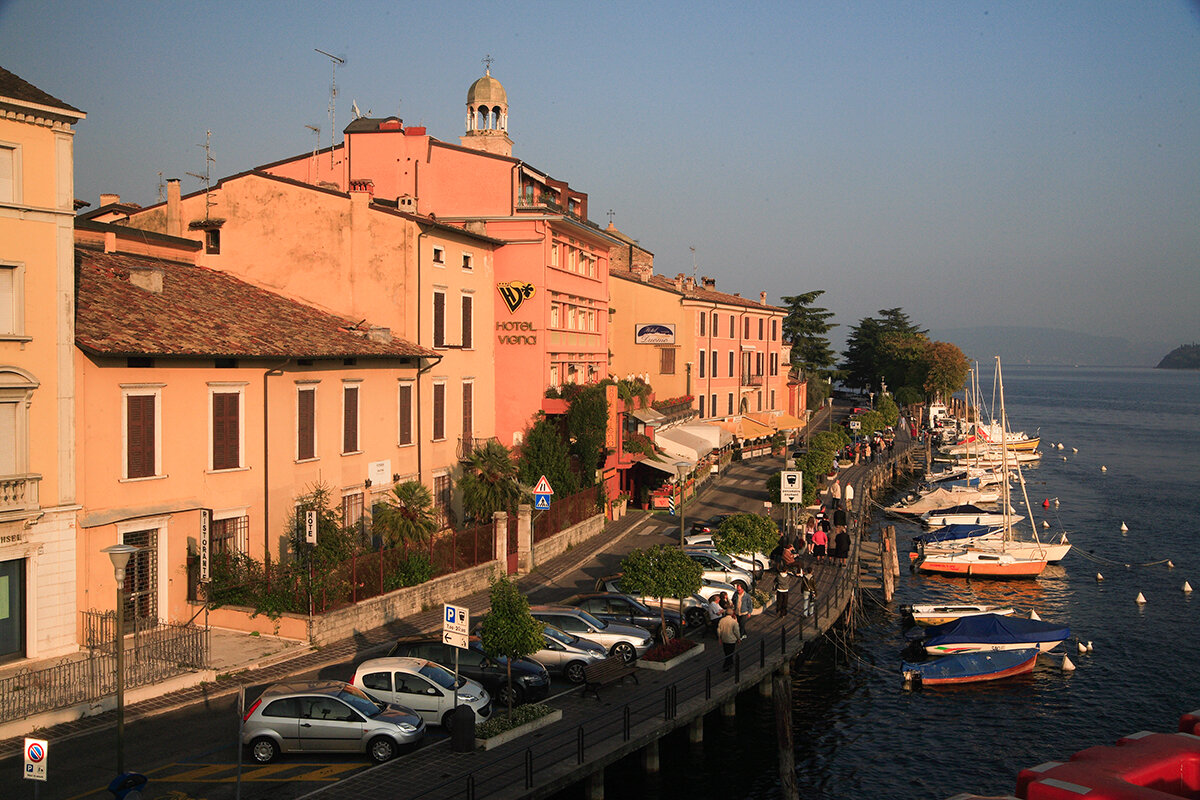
654 333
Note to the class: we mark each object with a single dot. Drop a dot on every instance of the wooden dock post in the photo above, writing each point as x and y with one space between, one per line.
782 695
696 730
595 785
887 552
891 534
649 758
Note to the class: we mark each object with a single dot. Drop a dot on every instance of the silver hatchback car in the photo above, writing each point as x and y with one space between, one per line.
626 641
567 654
326 717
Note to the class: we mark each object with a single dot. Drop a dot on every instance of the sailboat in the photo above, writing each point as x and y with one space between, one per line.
997 554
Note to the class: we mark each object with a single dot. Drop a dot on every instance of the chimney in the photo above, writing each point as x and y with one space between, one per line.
147 278
762 298
709 283
109 199
679 282
643 271
689 283
174 218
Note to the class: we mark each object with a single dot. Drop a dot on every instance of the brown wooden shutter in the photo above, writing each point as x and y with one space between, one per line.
439 411
226 431
468 409
306 438
405 411
439 319
350 419
140 435
467 312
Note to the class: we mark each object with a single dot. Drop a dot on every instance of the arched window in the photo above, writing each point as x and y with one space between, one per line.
16 395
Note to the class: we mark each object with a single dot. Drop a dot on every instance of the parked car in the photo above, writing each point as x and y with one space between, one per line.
626 641
692 608
326 716
626 610
530 680
708 526
718 567
425 687
567 654
754 563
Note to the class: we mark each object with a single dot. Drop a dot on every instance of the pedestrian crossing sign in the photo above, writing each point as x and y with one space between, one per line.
541 502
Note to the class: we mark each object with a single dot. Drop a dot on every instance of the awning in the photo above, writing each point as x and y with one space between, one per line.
682 444
776 420
744 428
647 416
717 437
667 466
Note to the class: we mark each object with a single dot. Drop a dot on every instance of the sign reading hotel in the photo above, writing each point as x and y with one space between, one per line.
654 333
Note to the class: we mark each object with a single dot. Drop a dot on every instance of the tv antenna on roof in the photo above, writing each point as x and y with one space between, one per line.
208 161
316 147
337 62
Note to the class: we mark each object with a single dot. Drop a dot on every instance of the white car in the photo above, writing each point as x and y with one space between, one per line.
754 563
624 641
693 608
425 687
718 566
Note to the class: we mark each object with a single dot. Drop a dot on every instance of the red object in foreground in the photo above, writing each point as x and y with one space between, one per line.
1142 766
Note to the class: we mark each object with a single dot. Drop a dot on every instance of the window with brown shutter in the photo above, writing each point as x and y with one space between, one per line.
439 411
703 317
139 426
468 409
306 433
468 307
226 442
405 411
760 328
666 361
350 419
439 319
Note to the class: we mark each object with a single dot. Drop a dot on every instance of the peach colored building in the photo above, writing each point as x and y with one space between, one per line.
209 405
550 292
38 492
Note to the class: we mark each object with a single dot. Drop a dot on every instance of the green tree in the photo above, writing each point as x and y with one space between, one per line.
661 571
544 452
489 482
886 406
508 630
946 369
334 545
806 328
865 357
406 516
587 428
746 533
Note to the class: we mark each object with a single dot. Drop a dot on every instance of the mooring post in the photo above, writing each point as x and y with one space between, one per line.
696 730
783 736
595 785
650 757
764 687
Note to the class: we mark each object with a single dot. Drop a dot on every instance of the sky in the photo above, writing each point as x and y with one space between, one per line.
1032 164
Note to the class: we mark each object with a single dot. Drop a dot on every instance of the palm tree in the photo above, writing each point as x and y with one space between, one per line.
489 482
407 516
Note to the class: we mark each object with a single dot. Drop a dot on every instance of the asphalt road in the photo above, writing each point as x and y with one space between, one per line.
192 753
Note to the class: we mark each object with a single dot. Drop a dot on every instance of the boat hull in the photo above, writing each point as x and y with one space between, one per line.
939 615
971 667
979 565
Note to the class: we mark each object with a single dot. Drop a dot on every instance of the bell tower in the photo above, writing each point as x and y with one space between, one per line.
487 115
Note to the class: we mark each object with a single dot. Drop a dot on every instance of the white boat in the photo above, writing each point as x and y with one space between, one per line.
966 515
1051 552
971 563
926 614
941 497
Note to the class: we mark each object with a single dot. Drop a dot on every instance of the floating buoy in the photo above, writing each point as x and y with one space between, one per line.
1033 614
1056 502
1124 528
1045 524
1046 503
1068 665
1170 565
1187 587
1090 648
1074 449
1064 458
1140 599
1060 445
1082 647
1099 577
1103 468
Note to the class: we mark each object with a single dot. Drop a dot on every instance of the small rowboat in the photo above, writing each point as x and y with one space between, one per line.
969 667
939 614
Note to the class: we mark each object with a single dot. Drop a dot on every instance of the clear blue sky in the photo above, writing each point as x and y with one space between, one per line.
1000 163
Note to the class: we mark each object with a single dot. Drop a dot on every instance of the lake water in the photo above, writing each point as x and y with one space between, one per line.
859 734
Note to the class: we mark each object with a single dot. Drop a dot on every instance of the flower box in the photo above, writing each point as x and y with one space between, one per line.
665 665
519 731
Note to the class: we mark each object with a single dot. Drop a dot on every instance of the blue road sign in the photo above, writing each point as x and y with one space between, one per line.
541 502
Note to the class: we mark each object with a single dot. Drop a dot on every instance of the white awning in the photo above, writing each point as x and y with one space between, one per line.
682 444
647 415
717 437
666 466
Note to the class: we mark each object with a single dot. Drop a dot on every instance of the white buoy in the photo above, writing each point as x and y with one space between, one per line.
1124 528
1033 614
1060 445
1090 648
1170 565
1082 647
1140 599
1074 449
1056 502
1187 587
1064 458
1099 577
1068 665
1103 468
1045 524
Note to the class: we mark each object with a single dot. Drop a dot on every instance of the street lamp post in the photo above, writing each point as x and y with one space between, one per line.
682 467
120 554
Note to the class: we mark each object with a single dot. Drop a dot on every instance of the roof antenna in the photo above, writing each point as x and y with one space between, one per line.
337 62
208 161
162 187
693 263
316 147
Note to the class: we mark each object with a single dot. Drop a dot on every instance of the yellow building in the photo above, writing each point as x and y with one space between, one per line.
37 381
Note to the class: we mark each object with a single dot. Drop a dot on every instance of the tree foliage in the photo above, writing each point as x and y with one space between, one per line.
489 482
865 360
407 515
508 629
334 544
544 452
587 427
746 533
946 369
886 406
806 328
661 571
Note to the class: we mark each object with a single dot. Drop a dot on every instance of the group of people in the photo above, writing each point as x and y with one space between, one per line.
727 618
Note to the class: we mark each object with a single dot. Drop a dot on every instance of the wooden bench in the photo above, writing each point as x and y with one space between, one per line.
611 670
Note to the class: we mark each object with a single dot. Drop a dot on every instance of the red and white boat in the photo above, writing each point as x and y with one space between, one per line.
981 564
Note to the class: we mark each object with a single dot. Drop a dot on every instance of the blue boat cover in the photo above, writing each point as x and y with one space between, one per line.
990 629
951 532
965 508
969 665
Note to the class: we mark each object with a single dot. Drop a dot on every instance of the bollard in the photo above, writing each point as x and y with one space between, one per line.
737 667
579 746
528 768
762 653
462 730
783 640
470 787
628 727
708 684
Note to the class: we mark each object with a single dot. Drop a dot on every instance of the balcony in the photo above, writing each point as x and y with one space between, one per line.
752 379
18 496
468 445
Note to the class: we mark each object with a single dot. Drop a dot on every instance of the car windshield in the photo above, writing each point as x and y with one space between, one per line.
438 674
590 620
354 697
560 636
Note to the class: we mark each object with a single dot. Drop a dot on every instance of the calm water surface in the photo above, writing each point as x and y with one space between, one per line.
858 734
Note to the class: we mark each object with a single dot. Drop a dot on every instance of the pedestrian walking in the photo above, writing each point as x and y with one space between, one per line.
848 496
808 592
714 611
744 605
782 581
729 633
835 494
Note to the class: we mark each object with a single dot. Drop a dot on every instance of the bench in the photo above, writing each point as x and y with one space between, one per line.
611 670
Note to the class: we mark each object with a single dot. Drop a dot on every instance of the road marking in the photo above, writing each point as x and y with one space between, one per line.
329 772
200 773
265 773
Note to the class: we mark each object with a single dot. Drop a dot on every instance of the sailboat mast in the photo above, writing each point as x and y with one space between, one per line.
1017 462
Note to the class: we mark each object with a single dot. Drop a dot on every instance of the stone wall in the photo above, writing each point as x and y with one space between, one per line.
559 542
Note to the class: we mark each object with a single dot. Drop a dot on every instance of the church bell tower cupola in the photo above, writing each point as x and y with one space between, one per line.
487 116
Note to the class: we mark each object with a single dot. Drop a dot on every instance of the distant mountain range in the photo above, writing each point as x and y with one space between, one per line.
1051 346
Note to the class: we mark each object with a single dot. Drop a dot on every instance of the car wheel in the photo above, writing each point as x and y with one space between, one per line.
697 618
624 651
503 694
670 631
381 749
264 750
574 672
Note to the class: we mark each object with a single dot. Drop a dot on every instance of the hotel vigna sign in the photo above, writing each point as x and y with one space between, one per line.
514 294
